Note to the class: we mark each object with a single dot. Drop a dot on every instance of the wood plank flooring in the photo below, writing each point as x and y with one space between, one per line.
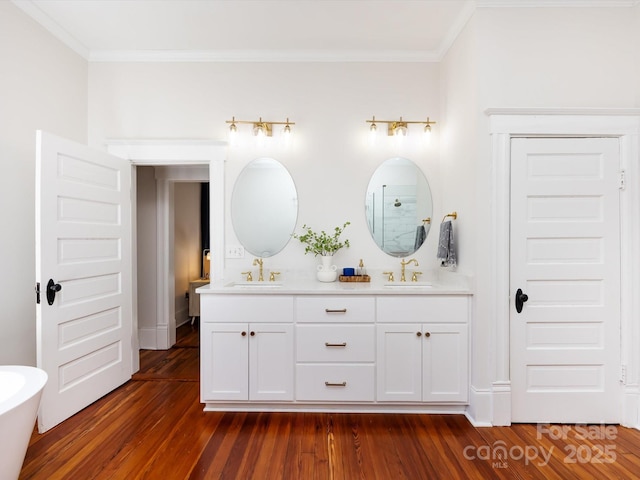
153 427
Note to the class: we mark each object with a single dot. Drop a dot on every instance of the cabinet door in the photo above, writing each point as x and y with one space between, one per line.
224 363
445 363
271 361
399 362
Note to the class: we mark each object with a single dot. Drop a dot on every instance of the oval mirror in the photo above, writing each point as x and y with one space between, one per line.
264 207
398 207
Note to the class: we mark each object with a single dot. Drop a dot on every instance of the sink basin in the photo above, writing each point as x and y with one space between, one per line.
254 284
408 285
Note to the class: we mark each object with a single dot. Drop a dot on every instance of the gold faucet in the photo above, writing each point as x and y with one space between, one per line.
260 262
404 264
249 277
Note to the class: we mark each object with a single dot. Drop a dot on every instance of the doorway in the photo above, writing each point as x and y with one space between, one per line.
207 159
168 232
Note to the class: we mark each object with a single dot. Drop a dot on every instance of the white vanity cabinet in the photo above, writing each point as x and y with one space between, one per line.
422 349
245 360
341 348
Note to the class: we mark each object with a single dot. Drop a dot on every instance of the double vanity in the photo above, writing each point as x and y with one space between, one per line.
273 343
275 346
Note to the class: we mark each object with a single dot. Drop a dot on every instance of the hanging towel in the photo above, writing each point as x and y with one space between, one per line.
421 234
446 245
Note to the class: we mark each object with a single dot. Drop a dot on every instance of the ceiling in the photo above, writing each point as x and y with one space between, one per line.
260 30
245 30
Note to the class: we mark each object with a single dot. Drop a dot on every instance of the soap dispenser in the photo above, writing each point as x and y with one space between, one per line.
361 270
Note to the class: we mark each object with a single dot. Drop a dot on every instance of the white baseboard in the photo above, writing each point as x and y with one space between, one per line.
479 410
501 396
162 337
147 338
631 407
154 338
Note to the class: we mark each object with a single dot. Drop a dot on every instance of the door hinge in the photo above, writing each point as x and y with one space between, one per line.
623 182
623 374
38 292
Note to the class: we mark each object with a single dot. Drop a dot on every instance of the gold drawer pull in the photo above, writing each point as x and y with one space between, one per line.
341 310
329 384
327 344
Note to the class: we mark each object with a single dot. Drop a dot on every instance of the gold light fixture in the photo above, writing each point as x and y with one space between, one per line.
399 128
260 128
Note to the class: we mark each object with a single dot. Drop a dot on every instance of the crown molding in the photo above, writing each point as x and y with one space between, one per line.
300 56
456 28
556 3
284 56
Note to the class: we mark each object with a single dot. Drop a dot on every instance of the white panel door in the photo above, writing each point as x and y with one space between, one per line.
83 245
271 361
565 257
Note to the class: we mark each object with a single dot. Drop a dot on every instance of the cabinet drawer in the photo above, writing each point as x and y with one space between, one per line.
335 343
335 309
432 308
246 308
335 383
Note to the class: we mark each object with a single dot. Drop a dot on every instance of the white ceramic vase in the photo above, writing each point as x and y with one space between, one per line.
326 271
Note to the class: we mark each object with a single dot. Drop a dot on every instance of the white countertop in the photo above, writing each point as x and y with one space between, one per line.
445 285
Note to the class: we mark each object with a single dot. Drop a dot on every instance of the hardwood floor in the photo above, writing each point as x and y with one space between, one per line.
153 427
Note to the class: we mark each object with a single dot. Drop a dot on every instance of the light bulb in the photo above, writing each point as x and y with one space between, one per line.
373 133
260 134
427 133
233 134
400 131
286 135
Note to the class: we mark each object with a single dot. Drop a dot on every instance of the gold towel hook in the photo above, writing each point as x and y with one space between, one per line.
453 215
426 220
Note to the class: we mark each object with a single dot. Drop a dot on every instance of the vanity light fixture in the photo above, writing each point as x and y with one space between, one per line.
399 128
261 128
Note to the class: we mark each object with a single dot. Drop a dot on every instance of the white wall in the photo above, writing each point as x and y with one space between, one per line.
461 177
330 161
186 242
558 57
43 85
146 215
522 58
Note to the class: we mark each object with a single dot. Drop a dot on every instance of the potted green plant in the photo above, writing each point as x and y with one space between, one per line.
325 245
322 243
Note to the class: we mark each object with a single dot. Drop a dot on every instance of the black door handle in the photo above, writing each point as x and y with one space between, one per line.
52 289
520 299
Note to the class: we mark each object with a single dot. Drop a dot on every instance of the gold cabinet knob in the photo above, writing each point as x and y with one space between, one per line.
244 334
253 334
427 334
419 334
